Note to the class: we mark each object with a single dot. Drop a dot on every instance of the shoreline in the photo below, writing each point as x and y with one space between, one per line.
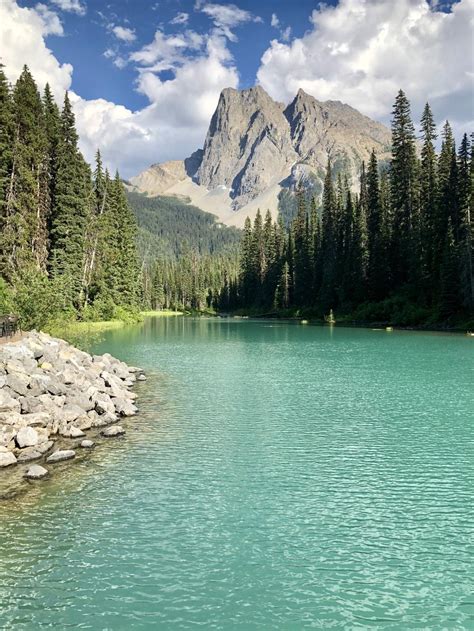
57 403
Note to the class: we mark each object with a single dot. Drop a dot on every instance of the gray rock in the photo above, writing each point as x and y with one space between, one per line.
112 431
7 434
124 407
7 402
71 412
36 472
103 403
141 377
87 444
105 419
61 454
36 419
18 382
27 437
75 432
7 458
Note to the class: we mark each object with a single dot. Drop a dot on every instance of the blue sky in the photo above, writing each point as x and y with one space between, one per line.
88 36
145 77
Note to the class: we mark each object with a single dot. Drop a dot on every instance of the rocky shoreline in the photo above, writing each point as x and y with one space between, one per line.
51 394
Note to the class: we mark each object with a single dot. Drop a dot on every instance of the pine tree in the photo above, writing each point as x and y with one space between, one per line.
71 211
7 129
24 230
449 302
327 296
403 175
428 201
466 206
377 278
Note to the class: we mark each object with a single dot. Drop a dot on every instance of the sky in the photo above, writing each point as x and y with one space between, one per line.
145 76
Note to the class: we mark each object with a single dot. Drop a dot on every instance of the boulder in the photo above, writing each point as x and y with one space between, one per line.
18 382
37 419
7 402
103 403
61 454
70 412
36 472
27 437
7 434
105 419
7 458
75 432
141 377
124 407
112 431
87 444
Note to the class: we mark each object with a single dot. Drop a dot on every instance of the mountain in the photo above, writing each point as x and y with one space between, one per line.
256 148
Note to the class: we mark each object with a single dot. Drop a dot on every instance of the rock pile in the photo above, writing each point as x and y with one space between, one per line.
50 391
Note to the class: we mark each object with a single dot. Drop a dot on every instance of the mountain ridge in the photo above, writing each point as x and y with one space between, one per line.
256 147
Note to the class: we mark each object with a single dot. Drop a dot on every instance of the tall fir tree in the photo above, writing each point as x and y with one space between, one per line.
71 211
403 179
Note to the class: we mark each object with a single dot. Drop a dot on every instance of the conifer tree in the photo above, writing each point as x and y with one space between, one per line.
71 211
6 146
24 230
403 174
428 200
327 296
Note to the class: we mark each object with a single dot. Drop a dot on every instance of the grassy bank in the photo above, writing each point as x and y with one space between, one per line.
163 313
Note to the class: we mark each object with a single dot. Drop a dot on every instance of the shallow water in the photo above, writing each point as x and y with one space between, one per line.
278 476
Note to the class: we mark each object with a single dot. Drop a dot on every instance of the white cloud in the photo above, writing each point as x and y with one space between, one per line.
124 34
173 124
51 23
275 22
180 18
226 17
73 6
286 34
22 34
364 52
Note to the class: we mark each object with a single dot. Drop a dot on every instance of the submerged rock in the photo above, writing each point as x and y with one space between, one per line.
36 472
61 454
87 444
7 458
112 431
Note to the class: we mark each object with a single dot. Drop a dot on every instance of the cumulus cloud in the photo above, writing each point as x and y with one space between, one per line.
364 52
73 6
226 17
180 18
51 23
22 33
123 33
275 22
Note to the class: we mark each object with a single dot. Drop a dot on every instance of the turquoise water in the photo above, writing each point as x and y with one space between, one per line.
279 476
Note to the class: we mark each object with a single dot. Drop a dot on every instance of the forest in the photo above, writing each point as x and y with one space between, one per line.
75 245
398 251
67 233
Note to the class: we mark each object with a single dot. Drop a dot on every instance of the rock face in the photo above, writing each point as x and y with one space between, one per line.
51 391
255 147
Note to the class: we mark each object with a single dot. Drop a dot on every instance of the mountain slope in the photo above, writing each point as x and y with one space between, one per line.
169 227
256 147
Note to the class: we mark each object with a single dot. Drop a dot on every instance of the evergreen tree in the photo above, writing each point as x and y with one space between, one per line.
428 201
6 148
404 191
24 230
71 211
327 296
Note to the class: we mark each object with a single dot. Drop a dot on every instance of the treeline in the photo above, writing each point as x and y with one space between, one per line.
67 235
400 250
194 282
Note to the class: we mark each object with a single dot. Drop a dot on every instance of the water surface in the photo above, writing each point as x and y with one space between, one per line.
278 476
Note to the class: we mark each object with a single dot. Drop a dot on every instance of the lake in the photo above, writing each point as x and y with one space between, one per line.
278 476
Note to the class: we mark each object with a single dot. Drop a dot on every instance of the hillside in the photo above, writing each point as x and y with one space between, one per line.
169 228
